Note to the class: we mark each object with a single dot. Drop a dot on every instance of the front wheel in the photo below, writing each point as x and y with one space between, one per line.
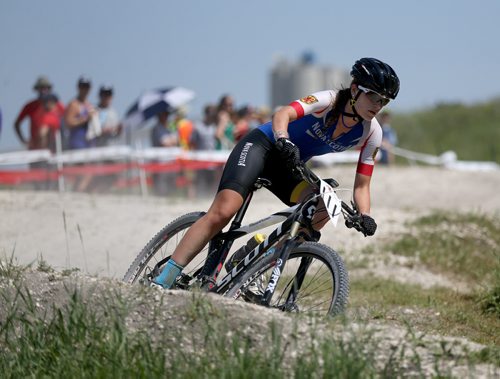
314 280
155 254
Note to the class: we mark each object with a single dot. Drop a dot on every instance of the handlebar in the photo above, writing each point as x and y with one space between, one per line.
351 214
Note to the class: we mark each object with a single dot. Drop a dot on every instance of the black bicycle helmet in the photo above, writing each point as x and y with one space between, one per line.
377 76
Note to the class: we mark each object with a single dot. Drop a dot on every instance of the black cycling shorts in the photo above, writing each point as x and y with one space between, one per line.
255 156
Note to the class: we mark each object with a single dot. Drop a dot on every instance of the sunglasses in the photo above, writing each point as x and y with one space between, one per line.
375 97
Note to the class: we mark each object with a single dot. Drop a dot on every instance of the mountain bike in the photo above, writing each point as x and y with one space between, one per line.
289 270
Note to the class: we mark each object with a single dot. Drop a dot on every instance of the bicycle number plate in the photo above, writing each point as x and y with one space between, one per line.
332 202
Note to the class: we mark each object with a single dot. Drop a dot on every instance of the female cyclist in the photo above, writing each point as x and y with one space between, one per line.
320 123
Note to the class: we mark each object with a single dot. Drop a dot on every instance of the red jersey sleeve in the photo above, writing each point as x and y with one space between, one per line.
315 103
369 149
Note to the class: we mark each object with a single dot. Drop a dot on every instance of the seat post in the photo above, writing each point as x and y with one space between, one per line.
259 183
241 212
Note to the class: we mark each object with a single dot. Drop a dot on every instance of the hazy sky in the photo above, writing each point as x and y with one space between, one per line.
442 50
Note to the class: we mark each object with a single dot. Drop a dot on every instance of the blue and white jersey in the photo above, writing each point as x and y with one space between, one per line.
312 138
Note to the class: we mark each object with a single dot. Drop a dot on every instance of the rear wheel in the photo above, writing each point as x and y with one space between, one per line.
153 256
314 280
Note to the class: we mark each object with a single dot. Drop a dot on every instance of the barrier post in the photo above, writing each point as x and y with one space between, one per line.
59 162
142 172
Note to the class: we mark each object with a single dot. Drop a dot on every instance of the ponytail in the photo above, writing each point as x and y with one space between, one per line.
340 102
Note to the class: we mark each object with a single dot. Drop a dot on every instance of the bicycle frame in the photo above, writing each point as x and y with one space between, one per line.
292 218
285 217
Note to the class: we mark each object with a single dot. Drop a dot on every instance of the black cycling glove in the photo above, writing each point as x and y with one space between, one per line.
289 153
369 225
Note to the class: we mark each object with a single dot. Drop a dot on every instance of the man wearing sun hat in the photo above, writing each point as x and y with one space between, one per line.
34 111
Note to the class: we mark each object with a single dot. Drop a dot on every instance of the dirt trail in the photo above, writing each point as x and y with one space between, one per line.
102 234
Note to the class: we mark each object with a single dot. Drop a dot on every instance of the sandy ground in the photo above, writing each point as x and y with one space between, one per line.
102 234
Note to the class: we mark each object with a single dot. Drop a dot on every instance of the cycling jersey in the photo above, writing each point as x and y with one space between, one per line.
313 138
255 155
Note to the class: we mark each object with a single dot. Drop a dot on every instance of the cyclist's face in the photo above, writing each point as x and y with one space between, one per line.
369 103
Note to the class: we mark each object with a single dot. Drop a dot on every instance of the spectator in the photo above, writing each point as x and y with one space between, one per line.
76 119
262 115
203 138
184 128
106 131
389 139
225 125
162 135
78 115
242 125
34 110
50 123
111 127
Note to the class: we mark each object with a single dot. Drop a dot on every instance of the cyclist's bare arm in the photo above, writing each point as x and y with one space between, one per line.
281 119
362 193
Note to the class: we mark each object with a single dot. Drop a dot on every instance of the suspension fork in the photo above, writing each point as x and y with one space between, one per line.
289 244
297 282
304 218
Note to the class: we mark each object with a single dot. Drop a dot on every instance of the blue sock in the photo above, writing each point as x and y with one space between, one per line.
170 272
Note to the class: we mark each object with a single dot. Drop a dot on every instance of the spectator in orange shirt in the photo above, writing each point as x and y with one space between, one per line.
34 111
184 128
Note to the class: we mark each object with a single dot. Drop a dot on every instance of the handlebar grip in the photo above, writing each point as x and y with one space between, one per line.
353 218
349 224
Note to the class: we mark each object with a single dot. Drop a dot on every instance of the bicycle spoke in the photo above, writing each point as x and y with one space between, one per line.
315 292
317 305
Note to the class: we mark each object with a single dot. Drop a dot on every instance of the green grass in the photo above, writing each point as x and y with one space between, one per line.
73 341
10 268
88 337
490 298
463 245
437 310
470 130
91 336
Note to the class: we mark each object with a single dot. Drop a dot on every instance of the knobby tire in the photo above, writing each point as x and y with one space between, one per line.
326 270
160 246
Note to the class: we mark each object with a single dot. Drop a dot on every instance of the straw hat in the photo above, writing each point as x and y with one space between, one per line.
42 82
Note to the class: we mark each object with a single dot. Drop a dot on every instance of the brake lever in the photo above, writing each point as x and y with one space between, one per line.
353 220
308 175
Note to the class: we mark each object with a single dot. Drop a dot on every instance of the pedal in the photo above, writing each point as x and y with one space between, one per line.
182 281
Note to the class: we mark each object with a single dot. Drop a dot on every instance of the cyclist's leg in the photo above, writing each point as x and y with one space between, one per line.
292 192
243 166
224 207
321 216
